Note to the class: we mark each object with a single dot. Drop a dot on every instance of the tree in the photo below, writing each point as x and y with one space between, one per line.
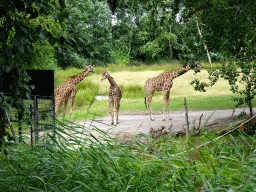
100 30
75 47
227 24
229 28
18 33
148 30
243 72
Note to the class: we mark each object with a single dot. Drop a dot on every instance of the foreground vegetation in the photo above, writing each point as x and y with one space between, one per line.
76 161
132 79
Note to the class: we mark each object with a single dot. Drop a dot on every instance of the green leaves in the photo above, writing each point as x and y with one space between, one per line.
199 86
69 162
241 76
21 31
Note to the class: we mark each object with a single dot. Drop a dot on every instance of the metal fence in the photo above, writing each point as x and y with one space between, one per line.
40 107
38 122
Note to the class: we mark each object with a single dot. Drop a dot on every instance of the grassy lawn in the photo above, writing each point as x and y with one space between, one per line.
132 80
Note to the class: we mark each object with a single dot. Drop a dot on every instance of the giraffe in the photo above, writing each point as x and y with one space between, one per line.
114 96
163 82
67 90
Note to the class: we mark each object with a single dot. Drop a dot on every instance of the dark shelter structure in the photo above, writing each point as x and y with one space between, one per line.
41 104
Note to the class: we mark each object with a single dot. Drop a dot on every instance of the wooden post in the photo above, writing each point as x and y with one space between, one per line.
186 119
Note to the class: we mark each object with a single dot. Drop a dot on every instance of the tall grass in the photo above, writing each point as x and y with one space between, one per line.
74 160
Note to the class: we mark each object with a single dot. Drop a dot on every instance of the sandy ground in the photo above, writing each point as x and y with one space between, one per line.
135 122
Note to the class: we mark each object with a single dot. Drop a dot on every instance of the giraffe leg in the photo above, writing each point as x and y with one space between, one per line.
58 102
71 107
73 95
57 105
168 103
165 98
118 106
65 106
109 109
149 106
115 111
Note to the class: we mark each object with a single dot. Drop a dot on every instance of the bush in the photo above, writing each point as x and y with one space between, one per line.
77 60
132 91
86 92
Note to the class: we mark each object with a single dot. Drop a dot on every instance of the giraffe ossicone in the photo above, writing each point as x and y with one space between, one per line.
67 90
163 82
114 97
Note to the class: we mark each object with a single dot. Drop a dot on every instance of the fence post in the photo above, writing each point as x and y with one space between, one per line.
53 113
19 125
36 117
186 119
31 126
10 124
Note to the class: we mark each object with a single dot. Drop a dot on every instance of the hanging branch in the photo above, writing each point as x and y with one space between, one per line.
197 9
205 47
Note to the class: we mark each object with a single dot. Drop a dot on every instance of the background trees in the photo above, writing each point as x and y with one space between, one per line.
90 31
54 34
229 29
25 36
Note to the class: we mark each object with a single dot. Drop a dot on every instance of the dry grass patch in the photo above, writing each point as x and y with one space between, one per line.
181 85
132 83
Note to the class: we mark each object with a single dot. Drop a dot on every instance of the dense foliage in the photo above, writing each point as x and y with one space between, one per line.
229 31
60 34
24 39
49 34
77 161
81 32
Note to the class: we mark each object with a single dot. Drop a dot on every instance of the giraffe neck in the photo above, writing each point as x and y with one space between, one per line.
79 77
180 72
111 80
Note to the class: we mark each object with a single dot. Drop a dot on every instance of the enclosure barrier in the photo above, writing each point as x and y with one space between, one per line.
41 104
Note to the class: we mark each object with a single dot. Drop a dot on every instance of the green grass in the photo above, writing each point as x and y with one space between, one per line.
72 162
132 80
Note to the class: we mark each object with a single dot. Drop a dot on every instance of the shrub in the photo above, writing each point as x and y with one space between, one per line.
85 92
132 91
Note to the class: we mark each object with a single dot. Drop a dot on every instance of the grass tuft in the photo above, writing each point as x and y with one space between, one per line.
75 160
132 91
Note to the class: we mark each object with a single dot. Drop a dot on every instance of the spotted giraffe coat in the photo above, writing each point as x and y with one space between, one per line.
115 96
67 90
163 82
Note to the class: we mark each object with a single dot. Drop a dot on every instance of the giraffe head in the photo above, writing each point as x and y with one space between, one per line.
104 75
90 68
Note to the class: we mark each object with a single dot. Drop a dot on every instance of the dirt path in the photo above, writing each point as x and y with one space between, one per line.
134 122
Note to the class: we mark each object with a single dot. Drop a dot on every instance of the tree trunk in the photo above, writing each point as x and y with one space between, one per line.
171 53
205 47
170 45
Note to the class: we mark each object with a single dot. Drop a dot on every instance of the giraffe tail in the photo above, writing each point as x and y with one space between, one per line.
146 102
145 98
